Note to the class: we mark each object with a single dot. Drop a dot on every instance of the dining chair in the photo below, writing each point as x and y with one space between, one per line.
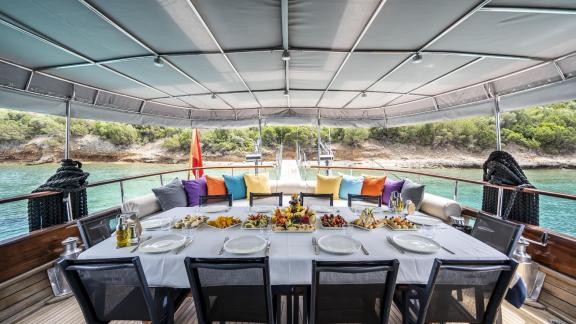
317 199
216 200
461 291
98 227
274 198
352 291
231 289
500 234
365 200
116 289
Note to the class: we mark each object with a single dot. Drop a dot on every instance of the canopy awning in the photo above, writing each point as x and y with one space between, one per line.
228 63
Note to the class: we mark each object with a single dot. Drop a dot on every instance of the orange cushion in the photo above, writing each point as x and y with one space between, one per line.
373 186
215 185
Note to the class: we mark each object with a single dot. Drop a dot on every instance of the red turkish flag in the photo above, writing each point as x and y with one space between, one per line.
196 154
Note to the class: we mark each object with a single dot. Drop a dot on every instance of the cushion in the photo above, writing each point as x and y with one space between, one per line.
350 185
215 186
194 189
235 186
389 187
257 183
373 186
171 195
412 191
328 185
142 206
440 207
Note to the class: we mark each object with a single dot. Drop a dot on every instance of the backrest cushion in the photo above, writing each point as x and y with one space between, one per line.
194 189
215 186
142 206
257 183
235 186
373 186
413 191
390 186
328 185
171 195
350 185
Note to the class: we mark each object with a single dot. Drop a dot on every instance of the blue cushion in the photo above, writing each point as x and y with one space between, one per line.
350 185
236 186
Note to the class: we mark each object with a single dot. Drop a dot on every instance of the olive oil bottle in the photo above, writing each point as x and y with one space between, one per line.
122 233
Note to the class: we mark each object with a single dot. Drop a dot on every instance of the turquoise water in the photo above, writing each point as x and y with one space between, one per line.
16 179
556 214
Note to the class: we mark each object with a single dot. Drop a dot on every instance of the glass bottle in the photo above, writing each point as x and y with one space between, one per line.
122 233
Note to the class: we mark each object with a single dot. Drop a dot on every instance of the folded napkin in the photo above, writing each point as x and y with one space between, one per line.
517 292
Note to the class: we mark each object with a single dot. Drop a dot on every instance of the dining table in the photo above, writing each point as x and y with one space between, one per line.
291 254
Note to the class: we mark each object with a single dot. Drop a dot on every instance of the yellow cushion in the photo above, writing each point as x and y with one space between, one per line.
328 185
257 183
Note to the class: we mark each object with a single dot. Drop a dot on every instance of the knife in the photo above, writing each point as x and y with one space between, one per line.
183 246
364 250
445 249
138 245
221 249
315 244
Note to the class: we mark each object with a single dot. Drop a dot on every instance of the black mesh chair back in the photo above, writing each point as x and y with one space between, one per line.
234 290
311 199
98 227
364 200
116 289
352 292
500 234
465 291
216 200
268 199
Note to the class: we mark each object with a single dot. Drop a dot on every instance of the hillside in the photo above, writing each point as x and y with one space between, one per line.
539 136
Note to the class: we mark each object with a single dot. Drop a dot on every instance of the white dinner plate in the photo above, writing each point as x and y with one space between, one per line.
338 244
416 243
246 244
424 220
155 223
162 243
263 209
214 209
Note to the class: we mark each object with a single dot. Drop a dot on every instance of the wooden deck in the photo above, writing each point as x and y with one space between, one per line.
67 311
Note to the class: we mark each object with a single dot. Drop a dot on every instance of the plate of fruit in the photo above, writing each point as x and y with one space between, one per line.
224 222
294 219
367 220
331 221
397 223
256 221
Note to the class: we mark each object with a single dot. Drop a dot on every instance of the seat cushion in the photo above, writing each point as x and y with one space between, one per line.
440 207
143 206
257 183
235 186
373 186
350 185
171 195
413 191
390 186
194 189
328 185
215 186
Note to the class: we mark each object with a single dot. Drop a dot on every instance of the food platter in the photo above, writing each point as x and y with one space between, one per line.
332 222
367 221
256 221
189 221
224 222
294 218
397 223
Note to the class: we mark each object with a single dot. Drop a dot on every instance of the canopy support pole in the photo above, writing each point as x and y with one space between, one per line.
68 130
498 148
319 141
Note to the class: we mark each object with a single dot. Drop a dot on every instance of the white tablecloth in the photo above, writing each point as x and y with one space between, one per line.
291 253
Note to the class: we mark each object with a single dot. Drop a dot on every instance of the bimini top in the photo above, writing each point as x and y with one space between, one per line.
230 63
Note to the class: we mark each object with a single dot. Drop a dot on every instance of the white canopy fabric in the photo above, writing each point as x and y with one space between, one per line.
349 63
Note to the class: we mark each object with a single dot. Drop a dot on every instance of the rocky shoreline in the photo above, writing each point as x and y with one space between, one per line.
370 154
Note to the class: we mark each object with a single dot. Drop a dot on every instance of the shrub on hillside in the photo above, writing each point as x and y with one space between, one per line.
12 131
118 134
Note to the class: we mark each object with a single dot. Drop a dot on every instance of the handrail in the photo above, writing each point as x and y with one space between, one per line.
122 179
478 182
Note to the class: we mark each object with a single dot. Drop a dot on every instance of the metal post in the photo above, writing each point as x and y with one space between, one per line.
68 130
68 203
122 191
500 203
456 190
162 179
319 139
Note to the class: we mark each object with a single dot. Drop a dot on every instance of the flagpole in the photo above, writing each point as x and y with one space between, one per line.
192 135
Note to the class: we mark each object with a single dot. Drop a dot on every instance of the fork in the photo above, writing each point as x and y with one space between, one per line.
221 250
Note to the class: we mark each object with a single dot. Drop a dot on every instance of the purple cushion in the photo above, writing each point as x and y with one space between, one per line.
389 187
194 189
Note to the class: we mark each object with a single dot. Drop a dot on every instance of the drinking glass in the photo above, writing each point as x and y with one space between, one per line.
427 231
167 225
347 229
